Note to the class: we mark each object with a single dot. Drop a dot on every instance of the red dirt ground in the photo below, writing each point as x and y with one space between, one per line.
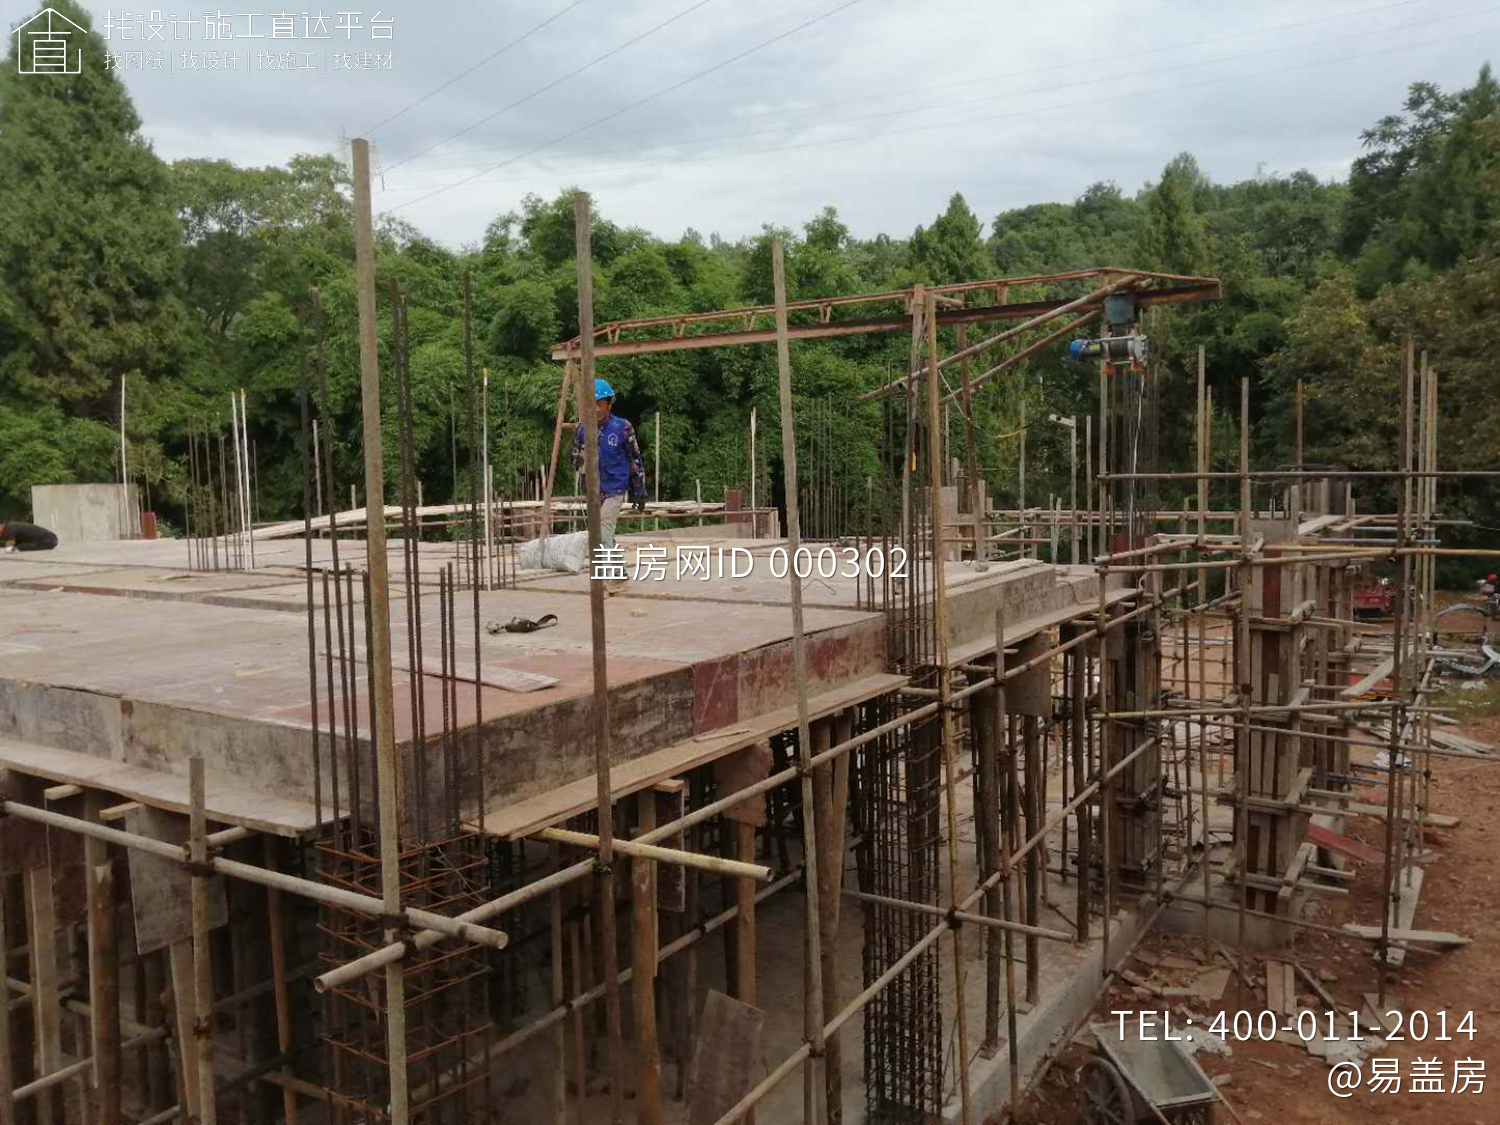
1281 1083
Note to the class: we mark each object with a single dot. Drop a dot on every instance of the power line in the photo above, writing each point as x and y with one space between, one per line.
1049 88
1347 14
640 102
487 58
929 128
907 91
689 10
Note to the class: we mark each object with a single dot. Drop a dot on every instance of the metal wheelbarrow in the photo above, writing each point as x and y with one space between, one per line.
1143 1080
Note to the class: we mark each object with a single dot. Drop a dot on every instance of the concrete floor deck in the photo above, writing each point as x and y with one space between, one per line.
119 650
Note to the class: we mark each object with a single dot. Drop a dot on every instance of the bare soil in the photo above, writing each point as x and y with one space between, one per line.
1281 1082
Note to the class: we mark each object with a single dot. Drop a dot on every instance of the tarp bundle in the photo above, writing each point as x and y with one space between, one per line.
556 552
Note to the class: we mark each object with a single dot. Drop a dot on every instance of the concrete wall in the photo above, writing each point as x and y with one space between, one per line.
86 513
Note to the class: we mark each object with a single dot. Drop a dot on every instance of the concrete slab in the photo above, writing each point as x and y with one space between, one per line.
218 660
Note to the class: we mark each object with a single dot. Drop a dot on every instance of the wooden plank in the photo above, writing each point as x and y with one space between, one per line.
1030 693
1343 845
1317 986
228 802
104 974
671 878
46 1002
23 843
644 945
738 771
1209 986
978 649
1380 672
1275 986
8 1081
184 996
1380 1014
160 891
727 1062
1317 524
1431 820
1294 872
626 778
1426 937
1403 912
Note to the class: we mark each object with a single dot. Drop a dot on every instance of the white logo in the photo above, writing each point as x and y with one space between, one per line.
48 45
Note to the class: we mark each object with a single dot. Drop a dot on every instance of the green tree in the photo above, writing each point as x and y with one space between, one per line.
90 252
951 249
1172 237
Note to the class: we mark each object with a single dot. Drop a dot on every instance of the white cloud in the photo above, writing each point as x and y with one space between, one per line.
1069 113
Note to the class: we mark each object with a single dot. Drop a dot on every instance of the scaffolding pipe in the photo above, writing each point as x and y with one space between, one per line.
318 892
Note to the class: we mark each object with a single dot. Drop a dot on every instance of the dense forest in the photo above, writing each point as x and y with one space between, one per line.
190 278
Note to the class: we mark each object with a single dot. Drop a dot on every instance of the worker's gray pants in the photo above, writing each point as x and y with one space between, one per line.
609 515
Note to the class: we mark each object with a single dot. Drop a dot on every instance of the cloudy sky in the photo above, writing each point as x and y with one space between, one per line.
723 115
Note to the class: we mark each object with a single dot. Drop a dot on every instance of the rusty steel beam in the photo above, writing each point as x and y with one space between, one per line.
1206 289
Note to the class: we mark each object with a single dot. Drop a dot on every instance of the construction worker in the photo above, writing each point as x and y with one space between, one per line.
622 470
17 536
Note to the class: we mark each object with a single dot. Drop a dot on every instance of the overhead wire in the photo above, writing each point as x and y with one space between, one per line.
932 127
1050 87
1351 13
470 70
907 91
639 102
540 90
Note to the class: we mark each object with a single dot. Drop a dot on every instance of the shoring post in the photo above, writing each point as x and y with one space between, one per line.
971 453
1077 734
104 974
746 959
581 1049
203 976
935 457
688 1029
7 1074
830 868
1004 833
583 387
1186 749
1073 491
987 735
388 776
46 1004
643 945
813 1002
1106 742
1203 424
1090 544
1107 791
557 428
1430 587
1398 719
1242 664
559 1030
1027 550
277 943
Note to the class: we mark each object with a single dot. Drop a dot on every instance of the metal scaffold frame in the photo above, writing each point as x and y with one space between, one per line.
407 875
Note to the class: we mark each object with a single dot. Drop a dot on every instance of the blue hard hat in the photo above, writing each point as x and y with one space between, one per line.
602 389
